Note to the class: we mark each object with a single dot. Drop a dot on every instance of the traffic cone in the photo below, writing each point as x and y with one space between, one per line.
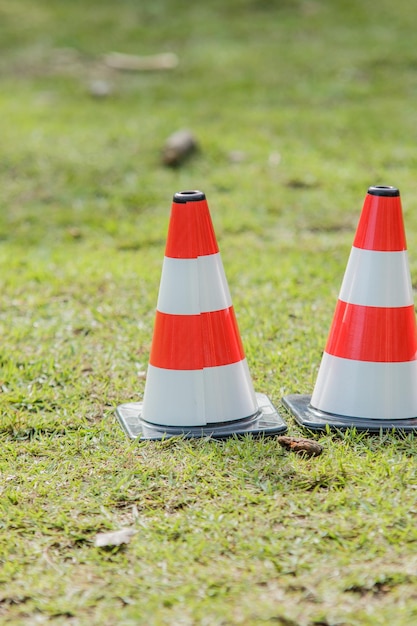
368 374
198 382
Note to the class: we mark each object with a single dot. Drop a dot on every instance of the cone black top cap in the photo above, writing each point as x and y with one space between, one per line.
380 190
189 196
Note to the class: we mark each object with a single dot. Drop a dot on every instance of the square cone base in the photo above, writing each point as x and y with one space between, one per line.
266 421
314 419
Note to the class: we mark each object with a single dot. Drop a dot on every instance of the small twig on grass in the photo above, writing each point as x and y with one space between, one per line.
134 63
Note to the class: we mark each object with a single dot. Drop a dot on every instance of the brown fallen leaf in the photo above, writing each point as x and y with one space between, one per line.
178 147
115 538
308 447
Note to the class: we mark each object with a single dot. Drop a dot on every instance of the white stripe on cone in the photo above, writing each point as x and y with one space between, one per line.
198 397
377 279
193 286
366 389
228 392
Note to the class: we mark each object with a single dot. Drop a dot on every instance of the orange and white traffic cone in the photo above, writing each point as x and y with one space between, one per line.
198 382
368 374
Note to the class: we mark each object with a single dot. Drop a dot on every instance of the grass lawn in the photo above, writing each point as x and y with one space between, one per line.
298 108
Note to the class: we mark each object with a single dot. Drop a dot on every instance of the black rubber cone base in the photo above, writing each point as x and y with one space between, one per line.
314 419
266 421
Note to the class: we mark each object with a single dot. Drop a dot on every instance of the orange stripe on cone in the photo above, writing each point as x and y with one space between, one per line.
381 224
190 342
367 333
190 232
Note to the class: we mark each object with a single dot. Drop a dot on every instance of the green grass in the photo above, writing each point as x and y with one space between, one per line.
319 96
